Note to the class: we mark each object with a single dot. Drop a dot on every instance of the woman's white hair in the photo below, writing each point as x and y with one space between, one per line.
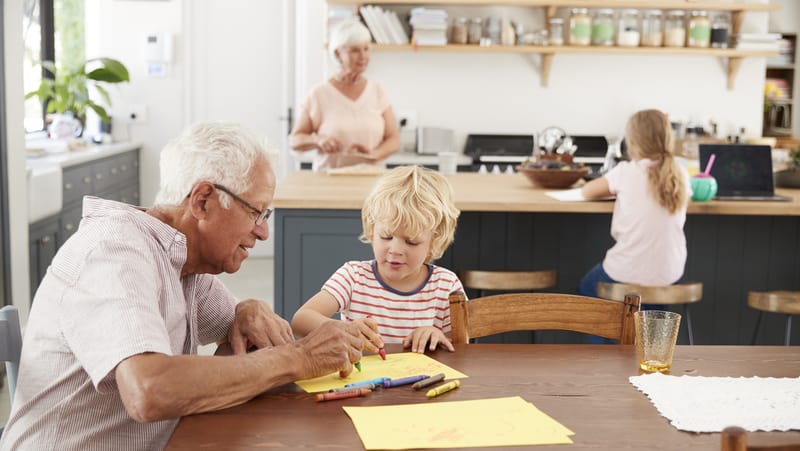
349 32
216 152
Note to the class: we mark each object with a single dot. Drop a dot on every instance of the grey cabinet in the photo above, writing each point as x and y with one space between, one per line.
114 177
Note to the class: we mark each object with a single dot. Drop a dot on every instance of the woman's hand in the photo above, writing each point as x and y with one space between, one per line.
327 144
361 151
369 332
424 335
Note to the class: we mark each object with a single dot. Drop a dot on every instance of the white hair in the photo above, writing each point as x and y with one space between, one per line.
349 32
216 152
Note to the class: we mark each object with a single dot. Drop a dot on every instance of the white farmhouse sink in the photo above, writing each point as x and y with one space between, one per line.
44 190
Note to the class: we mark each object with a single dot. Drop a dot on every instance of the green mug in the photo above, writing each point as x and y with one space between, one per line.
704 187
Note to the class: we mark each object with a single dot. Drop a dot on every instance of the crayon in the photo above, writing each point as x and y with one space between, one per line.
404 381
377 381
372 387
343 394
382 353
444 388
428 382
358 366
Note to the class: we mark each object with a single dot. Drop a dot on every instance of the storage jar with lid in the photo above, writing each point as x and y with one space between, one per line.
458 33
652 36
580 27
603 27
699 30
475 30
556 31
719 31
674 29
628 31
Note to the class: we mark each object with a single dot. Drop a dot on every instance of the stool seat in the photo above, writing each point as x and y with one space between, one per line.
679 294
785 302
507 280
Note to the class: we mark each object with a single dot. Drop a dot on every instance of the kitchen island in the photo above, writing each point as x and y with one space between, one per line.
507 224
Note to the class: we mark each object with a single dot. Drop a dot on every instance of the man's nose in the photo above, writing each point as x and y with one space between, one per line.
262 231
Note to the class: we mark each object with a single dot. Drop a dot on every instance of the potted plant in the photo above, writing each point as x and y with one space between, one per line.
67 96
790 177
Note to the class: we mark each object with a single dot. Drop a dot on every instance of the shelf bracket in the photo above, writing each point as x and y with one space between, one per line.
551 12
734 63
547 63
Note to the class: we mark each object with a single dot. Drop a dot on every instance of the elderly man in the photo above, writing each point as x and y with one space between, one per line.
109 356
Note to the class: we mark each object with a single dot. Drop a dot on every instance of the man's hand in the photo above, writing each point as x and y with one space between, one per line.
256 325
333 346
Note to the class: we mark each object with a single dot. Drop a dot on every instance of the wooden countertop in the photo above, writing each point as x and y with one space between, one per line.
488 192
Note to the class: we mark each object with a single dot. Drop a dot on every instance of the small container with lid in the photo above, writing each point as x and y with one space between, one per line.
719 31
580 27
652 34
628 30
698 30
458 33
674 29
556 31
603 27
475 30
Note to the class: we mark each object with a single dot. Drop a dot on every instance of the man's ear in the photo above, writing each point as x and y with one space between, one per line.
198 199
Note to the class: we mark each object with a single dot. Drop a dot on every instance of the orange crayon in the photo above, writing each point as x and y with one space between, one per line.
343 394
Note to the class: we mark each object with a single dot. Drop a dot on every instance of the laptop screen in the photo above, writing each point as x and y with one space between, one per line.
740 169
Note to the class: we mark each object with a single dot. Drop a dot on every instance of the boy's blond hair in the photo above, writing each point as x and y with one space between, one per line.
417 199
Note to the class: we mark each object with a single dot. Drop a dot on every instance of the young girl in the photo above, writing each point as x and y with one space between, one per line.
400 296
652 193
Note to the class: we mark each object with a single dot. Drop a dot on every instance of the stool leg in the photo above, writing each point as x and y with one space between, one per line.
755 332
788 330
688 323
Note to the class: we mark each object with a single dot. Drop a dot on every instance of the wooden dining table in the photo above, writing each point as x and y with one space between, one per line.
584 387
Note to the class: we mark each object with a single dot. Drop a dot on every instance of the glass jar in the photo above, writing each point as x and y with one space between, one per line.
628 30
580 27
674 29
556 31
475 30
698 30
458 34
719 31
652 36
603 27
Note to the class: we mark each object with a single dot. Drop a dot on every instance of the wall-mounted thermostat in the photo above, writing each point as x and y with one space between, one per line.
158 53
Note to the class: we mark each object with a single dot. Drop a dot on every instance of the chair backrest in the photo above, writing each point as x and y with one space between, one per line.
501 313
787 302
10 345
734 438
682 293
507 280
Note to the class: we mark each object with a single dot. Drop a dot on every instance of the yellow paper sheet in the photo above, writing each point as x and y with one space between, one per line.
485 422
396 365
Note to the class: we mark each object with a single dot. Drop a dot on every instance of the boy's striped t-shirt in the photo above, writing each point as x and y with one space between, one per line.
360 292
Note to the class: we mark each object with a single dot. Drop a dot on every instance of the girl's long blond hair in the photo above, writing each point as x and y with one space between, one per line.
650 132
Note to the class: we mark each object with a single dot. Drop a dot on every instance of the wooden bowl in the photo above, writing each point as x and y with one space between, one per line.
553 178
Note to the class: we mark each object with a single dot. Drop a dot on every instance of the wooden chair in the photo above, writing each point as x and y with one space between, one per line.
684 294
501 313
507 280
786 302
734 438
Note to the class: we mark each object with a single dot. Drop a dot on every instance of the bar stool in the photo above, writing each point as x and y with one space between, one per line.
786 302
507 280
682 293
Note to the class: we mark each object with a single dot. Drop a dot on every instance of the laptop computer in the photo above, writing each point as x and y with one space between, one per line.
743 172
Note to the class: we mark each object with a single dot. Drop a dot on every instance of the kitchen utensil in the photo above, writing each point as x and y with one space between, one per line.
551 138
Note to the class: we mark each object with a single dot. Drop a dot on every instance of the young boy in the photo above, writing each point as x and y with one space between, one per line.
400 296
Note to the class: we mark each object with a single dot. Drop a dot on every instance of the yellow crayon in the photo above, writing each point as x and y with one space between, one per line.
444 388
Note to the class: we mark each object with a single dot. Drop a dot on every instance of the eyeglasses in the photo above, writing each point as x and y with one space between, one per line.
260 216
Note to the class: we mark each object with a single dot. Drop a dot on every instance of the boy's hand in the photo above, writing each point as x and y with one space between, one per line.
424 335
369 331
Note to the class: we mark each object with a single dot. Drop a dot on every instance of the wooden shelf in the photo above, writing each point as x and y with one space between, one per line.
734 56
639 4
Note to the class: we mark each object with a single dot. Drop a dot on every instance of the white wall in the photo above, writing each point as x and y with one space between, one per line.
18 188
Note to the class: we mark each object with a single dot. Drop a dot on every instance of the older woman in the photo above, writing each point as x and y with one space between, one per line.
348 118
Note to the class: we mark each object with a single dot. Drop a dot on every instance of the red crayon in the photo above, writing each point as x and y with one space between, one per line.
343 394
382 353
